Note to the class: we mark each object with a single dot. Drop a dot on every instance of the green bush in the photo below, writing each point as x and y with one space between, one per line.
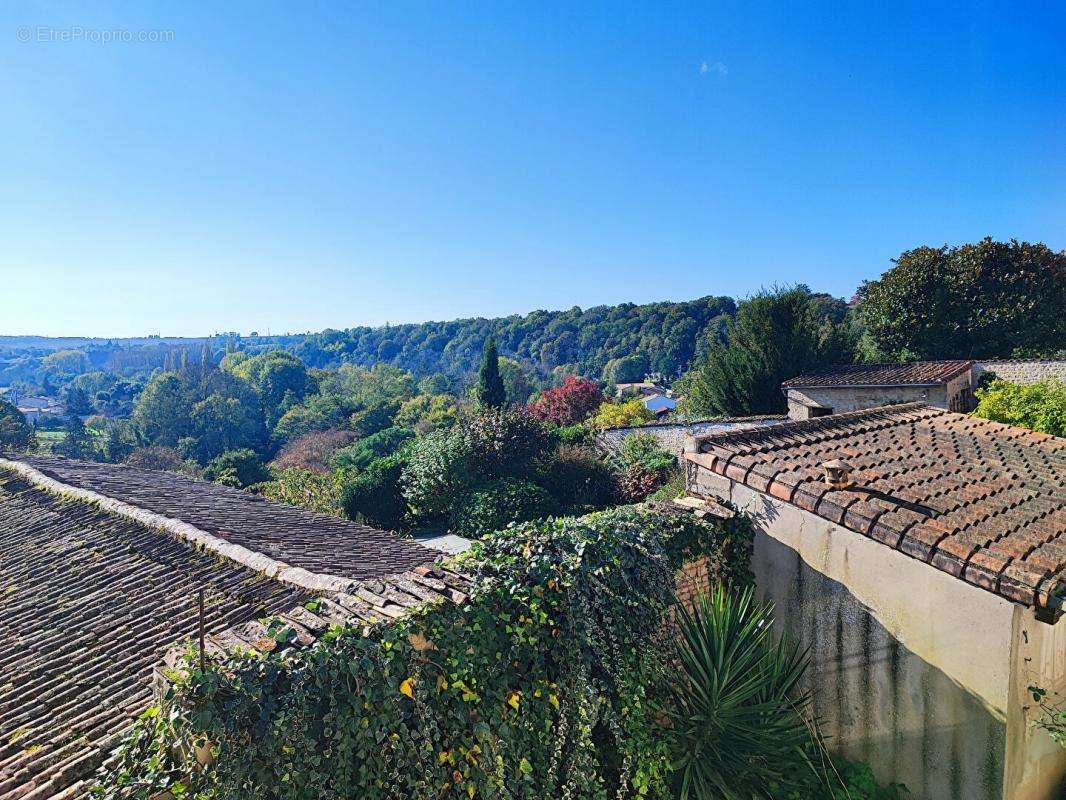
375 496
489 444
495 505
383 443
15 432
375 418
537 686
237 468
574 434
1039 406
304 488
579 480
644 450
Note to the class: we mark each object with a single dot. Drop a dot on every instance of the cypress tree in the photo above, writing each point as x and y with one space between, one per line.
490 390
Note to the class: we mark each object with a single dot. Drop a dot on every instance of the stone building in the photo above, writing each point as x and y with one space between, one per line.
944 384
921 555
843 388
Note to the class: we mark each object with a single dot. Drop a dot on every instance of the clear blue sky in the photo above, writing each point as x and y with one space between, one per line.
330 166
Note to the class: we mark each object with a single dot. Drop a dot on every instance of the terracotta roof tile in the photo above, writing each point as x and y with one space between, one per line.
983 501
916 373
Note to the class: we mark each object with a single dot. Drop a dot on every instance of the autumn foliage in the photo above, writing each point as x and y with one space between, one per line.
573 402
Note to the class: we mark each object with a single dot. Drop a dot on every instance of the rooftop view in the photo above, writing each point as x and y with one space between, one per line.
523 402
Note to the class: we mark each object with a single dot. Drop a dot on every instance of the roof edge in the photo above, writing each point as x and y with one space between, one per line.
817 423
259 562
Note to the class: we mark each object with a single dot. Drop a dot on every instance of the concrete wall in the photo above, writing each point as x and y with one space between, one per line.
913 671
850 398
1020 370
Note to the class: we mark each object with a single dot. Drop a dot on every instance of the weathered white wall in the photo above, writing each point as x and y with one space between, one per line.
913 670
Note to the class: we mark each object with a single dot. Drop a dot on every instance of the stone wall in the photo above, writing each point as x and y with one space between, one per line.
672 435
853 398
1020 370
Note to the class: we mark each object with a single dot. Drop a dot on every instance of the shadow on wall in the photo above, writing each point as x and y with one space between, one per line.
876 701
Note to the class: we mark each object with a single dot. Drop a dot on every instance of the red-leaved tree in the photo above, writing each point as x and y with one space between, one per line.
573 402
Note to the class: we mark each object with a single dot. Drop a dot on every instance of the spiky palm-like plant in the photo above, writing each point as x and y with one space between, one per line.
737 730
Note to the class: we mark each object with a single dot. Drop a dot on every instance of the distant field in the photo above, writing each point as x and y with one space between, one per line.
46 440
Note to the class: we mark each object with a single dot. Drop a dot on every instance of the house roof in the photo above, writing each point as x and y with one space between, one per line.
95 591
915 373
316 542
982 501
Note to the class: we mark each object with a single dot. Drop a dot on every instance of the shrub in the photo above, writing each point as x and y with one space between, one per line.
362 453
1039 406
569 404
304 488
506 443
536 686
237 468
622 415
375 496
312 451
439 468
635 483
164 459
376 418
427 413
15 432
489 444
579 480
643 449
495 505
737 728
574 434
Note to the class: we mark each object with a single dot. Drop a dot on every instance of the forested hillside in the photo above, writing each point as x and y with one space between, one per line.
616 343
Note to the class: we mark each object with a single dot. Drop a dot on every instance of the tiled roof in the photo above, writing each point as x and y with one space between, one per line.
982 501
92 597
88 603
316 542
916 373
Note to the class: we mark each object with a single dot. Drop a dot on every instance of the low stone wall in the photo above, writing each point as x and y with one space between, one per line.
1020 370
672 435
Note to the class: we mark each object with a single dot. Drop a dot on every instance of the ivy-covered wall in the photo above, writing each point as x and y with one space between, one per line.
541 685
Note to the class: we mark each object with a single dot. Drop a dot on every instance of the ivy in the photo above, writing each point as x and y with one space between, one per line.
537 687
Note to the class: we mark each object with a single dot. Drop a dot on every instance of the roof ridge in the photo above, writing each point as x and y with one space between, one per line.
298 577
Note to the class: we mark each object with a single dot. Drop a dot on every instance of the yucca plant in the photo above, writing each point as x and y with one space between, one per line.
736 716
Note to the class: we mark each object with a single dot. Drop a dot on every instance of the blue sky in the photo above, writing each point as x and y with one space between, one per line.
363 163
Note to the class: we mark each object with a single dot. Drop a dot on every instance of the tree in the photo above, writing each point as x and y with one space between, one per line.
237 468
163 413
279 378
78 443
621 415
490 389
775 335
516 383
15 432
78 402
984 300
573 402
